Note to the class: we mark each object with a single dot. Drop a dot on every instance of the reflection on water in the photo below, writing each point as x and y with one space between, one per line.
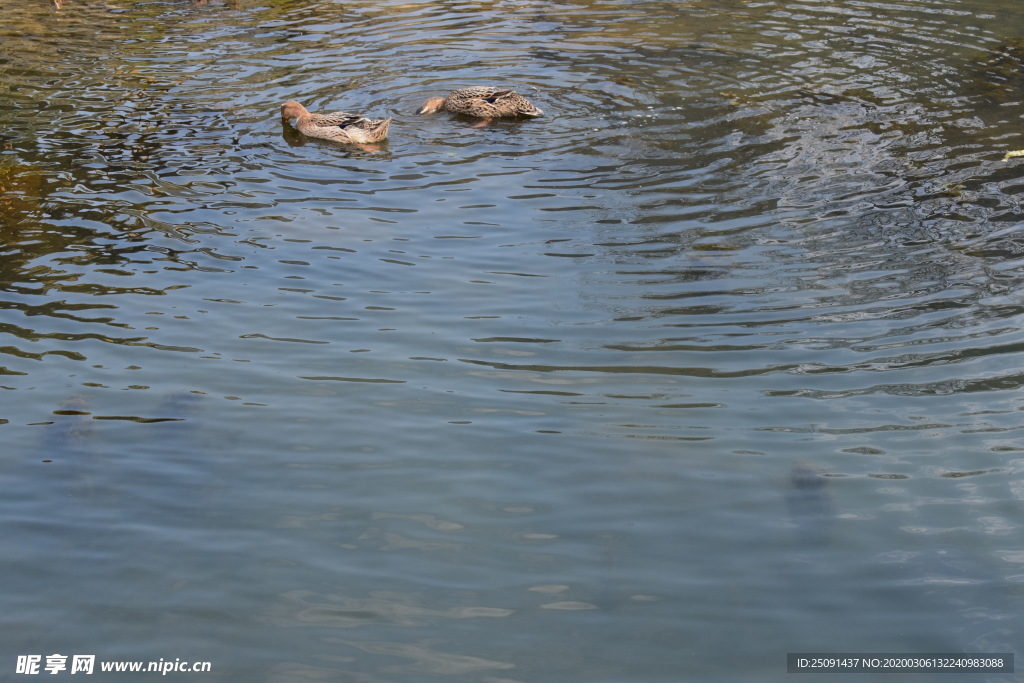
718 352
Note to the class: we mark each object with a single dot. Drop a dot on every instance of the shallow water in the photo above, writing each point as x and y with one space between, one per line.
522 401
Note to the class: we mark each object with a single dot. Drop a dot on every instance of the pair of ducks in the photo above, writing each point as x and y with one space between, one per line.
480 101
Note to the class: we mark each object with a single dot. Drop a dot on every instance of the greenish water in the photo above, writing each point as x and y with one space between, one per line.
718 360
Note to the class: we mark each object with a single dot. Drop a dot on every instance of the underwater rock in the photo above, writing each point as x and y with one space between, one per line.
810 504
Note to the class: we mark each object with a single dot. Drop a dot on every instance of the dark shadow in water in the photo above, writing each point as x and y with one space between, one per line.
67 446
810 503
943 598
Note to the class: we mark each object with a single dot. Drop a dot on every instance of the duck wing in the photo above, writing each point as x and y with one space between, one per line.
341 119
485 93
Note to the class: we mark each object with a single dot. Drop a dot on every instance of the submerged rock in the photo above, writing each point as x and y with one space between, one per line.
810 504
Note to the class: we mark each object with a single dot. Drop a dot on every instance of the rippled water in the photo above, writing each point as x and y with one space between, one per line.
718 360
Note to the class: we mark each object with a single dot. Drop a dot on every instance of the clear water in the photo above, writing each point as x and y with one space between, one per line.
521 401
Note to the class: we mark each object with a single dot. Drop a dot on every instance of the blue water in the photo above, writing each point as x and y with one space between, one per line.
716 361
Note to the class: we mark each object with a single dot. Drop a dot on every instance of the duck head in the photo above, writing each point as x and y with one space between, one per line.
292 110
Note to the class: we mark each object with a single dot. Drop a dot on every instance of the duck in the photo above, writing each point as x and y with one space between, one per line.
338 126
483 102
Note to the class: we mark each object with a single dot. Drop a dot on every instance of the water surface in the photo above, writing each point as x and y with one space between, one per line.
524 401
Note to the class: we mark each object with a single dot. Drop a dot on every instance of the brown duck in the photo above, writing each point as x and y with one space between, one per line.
338 126
483 102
